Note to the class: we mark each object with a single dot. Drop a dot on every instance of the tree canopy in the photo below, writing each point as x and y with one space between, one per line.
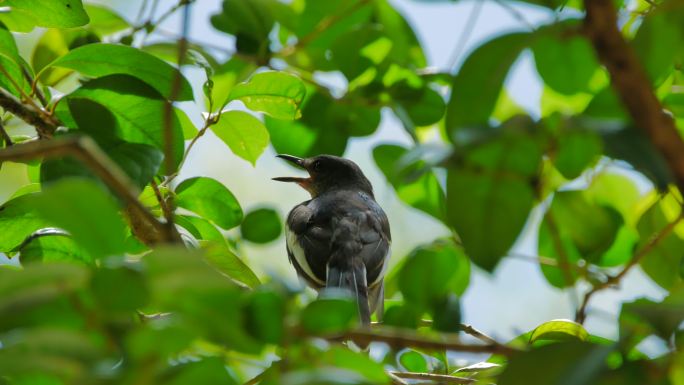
127 274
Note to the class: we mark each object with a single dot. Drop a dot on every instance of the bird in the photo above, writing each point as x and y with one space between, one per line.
340 238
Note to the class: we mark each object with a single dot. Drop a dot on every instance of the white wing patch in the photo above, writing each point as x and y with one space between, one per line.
385 265
298 253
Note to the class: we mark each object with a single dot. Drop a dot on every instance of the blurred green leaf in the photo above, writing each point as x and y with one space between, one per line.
658 42
119 291
360 363
18 220
661 262
36 285
104 20
478 83
137 109
265 315
413 361
246 136
559 330
261 226
277 94
53 44
211 200
224 260
565 60
328 315
577 150
446 315
424 192
26 14
491 195
403 315
97 60
48 247
87 212
431 272
208 370
250 22
567 363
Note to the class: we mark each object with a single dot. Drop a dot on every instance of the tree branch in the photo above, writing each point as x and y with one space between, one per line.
633 87
439 378
88 152
581 314
45 126
401 338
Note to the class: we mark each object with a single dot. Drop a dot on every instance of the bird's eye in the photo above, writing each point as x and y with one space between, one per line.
317 165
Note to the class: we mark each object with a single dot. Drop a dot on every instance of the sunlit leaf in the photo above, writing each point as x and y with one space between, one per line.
277 94
97 60
26 14
246 136
210 199
559 330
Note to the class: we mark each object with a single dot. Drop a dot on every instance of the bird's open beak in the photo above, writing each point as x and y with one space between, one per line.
298 162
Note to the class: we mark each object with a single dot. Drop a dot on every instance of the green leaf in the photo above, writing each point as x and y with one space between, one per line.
246 136
137 110
490 196
432 271
404 316
87 212
277 94
662 261
226 77
343 358
53 44
265 315
129 285
559 330
658 43
37 284
591 228
97 60
208 370
219 256
567 363
12 63
478 83
250 22
261 226
47 247
25 14
661 318
105 21
565 61
406 49
328 315
446 315
413 361
576 150
211 200
18 220
423 192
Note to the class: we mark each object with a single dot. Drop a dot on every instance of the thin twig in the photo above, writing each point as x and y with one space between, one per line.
581 314
396 380
89 153
515 13
5 135
467 329
166 210
439 378
402 338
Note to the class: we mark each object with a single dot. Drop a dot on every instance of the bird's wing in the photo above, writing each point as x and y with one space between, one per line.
303 233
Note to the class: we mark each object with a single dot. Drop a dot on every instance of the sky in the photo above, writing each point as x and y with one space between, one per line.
514 299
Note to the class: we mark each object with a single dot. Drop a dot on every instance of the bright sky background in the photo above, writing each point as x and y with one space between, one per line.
516 298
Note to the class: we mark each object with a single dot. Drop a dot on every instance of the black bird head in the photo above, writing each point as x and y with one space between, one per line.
326 173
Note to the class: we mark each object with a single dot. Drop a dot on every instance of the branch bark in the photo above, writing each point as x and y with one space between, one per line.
438 378
84 149
400 338
45 126
633 87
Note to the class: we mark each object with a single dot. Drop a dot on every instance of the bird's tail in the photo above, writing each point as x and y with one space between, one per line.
352 276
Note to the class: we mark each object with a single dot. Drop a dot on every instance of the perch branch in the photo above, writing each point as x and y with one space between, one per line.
400 338
438 378
632 85
87 151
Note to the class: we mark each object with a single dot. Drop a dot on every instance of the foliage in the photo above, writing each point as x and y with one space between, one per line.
128 275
